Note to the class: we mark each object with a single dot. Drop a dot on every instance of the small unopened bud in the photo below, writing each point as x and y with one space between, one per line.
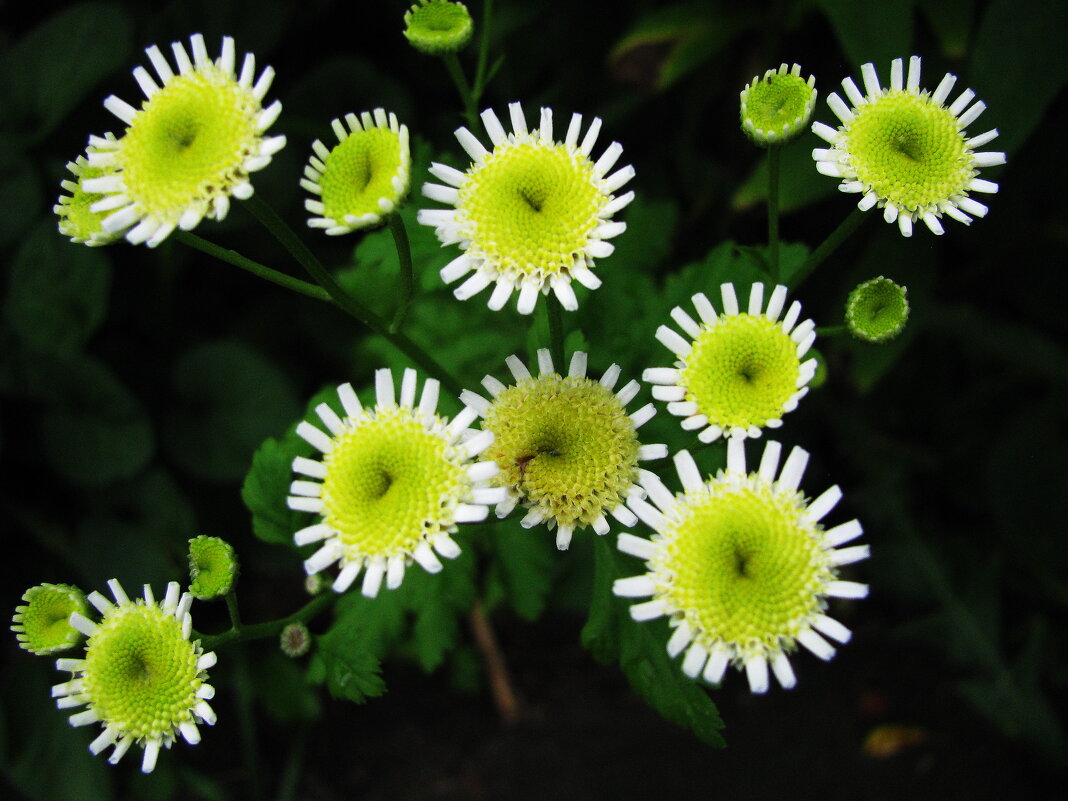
437 27
877 310
42 624
295 640
212 567
776 109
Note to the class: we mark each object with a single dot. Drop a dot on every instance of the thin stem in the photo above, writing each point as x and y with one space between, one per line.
828 246
831 330
504 697
556 331
350 305
404 256
270 628
456 72
483 52
246 723
231 607
254 267
774 153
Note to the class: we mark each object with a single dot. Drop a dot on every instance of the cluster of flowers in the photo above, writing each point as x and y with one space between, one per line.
739 562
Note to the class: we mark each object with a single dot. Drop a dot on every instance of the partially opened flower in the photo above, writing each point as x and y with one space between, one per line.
393 483
776 109
530 215
740 371
904 150
363 178
566 447
877 310
742 566
42 623
77 220
191 146
213 567
141 677
436 27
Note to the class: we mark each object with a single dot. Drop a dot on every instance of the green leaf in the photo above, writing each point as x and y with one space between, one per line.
875 32
351 671
230 397
57 291
951 21
523 562
610 635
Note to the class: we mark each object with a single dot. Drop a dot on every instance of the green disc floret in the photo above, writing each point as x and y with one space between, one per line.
877 310
359 171
436 27
776 108
42 624
212 567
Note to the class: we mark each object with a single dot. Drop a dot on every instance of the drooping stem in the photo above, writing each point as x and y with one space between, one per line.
483 52
774 153
404 256
346 302
556 331
254 267
828 246
270 628
456 72
504 697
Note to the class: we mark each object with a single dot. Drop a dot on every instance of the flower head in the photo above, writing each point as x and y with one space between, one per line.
393 483
295 640
436 27
189 148
76 218
42 624
776 108
532 214
141 678
566 448
741 565
903 150
877 310
363 178
741 371
212 567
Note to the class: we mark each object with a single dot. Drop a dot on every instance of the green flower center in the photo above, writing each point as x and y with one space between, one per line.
531 207
389 483
75 219
877 310
359 171
909 150
746 566
564 445
438 27
189 142
212 567
140 672
777 101
741 371
43 624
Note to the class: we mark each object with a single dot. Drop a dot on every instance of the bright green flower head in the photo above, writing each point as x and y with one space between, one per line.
741 370
902 149
364 178
393 483
436 27
141 677
566 447
212 567
741 565
776 109
42 624
877 310
190 147
77 220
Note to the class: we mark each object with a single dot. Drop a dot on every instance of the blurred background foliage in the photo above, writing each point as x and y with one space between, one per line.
137 386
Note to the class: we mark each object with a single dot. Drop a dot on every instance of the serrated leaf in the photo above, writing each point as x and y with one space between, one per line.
351 671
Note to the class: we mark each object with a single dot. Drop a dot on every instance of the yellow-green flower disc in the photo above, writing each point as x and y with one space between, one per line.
76 218
42 624
212 567
436 27
877 310
776 109
904 150
363 178
191 146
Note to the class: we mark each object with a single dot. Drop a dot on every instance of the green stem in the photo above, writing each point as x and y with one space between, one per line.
556 332
456 72
246 723
404 256
774 153
254 267
828 246
483 52
350 305
270 628
832 330
231 607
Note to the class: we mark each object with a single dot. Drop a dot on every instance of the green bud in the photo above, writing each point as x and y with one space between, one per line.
437 27
212 567
877 310
776 109
42 624
295 640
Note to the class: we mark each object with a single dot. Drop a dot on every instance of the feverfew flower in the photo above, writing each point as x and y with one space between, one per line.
903 150
212 567
742 566
363 178
42 624
141 678
393 483
877 310
436 27
776 109
76 218
566 448
530 215
191 146
740 371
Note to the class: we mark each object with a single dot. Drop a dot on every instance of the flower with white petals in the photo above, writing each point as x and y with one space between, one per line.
740 371
141 677
76 218
741 566
191 146
393 483
776 109
530 215
42 624
566 448
365 176
904 150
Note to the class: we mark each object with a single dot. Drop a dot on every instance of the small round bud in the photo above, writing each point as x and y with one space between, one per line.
315 584
877 310
436 27
295 640
212 567
776 109
42 624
